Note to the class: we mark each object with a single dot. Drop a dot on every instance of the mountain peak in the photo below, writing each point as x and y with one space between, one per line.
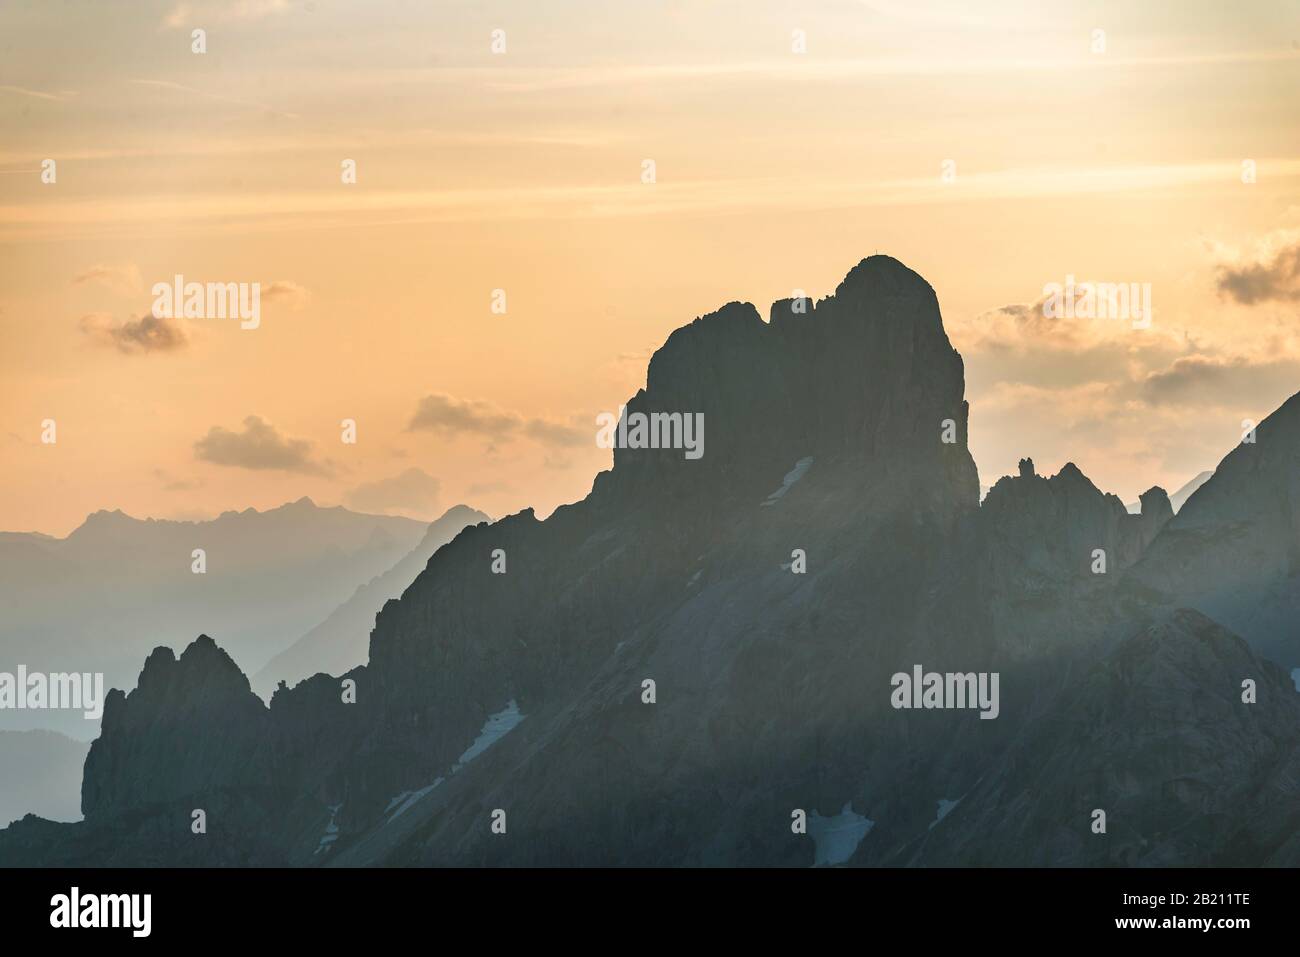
1071 474
881 274
105 516
103 523
302 504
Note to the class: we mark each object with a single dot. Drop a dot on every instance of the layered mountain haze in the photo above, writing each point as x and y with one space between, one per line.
1233 551
340 642
675 668
117 586
42 775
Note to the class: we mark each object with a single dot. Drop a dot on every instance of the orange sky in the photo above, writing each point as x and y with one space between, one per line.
522 171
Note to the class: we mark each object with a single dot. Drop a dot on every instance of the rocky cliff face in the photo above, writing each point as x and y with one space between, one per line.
1233 550
1052 552
212 736
463 641
670 669
1157 736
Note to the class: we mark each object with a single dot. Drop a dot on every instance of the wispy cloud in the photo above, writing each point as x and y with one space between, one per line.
286 291
332 144
186 13
136 336
261 447
123 278
37 94
451 416
214 97
238 212
817 70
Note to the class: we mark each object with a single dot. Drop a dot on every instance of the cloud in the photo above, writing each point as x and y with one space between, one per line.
413 491
448 415
124 279
206 213
1026 326
1232 381
290 293
220 11
175 87
1272 274
136 336
37 94
1018 343
556 433
259 446
1016 348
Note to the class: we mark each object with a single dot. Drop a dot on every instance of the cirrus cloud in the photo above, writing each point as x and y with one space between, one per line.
124 278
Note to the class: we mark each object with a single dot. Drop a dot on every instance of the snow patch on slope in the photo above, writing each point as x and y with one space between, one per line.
795 474
944 807
836 838
407 798
494 729
331 831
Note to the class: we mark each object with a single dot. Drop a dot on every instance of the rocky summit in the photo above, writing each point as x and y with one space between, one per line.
692 665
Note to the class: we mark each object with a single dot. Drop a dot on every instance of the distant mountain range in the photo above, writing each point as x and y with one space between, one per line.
42 775
341 641
698 663
118 586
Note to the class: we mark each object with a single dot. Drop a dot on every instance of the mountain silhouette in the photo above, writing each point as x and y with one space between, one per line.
117 586
673 669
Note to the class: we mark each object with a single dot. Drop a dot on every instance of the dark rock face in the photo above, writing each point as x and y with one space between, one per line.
212 737
700 648
1157 736
1155 514
1233 550
1052 551
463 640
